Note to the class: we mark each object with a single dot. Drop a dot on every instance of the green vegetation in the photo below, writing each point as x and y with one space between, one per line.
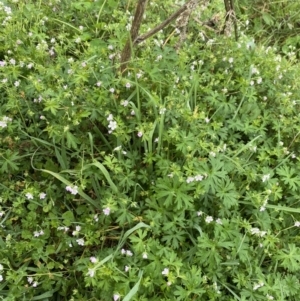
176 179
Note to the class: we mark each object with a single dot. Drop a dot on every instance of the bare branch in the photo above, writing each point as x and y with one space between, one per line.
136 23
163 24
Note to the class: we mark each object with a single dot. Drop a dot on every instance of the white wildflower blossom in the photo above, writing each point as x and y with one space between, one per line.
198 178
91 272
93 259
80 241
106 211
42 195
73 190
124 103
116 297
209 219
258 285
129 253
297 224
265 177
219 221
29 196
190 179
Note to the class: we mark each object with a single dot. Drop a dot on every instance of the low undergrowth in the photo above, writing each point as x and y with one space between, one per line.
177 180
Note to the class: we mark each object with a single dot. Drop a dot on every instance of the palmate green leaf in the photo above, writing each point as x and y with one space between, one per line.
72 141
289 177
8 161
174 194
226 191
52 105
289 258
214 173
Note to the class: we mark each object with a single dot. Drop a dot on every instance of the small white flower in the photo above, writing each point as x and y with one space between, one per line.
169 283
110 117
78 228
209 219
259 80
213 154
258 285
1 214
158 58
199 213
165 272
111 90
230 60
1 278
17 83
29 196
254 231
265 177
91 272
126 268
129 253
190 179
42 195
73 190
30 280
297 224
1 267
93 259
145 255
117 148
124 103
80 241
140 134
162 111
198 178
116 297
98 84
206 120
34 284
106 211
123 251
132 113
128 85
219 221
36 233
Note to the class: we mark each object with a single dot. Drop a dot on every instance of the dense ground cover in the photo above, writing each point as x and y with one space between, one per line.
176 180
